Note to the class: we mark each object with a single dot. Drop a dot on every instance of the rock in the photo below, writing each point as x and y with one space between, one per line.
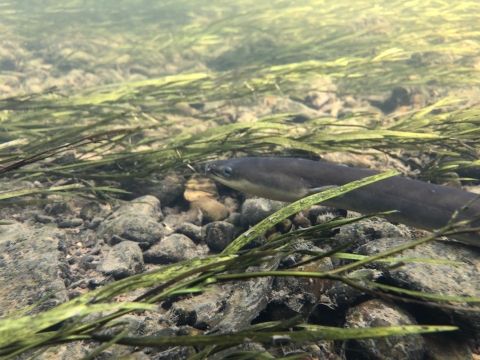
286 105
8 62
378 313
32 263
246 117
15 185
231 204
368 230
189 331
123 260
319 210
255 210
401 97
136 228
65 157
201 312
191 231
447 346
343 296
198 188
229 308
235 219
244 301
212 209
44 219
300 221
448 280
70 223
218 235
173 221
89 210
87 262
284 226
136 325
144 229
146 205
167 210
95 223
136 221
194 216
320 350
293 296
88 238
173 248
178 352
317 99
58 208
64 351
351 102
168 190
27 215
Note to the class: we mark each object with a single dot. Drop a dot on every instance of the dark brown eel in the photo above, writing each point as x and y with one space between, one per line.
419 204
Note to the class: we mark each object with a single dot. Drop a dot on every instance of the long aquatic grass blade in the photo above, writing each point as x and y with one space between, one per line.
291 209
268 337
13 329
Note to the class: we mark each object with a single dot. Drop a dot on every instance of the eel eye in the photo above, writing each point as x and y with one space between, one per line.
227 171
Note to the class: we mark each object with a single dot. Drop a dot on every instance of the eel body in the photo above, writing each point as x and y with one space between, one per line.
419 204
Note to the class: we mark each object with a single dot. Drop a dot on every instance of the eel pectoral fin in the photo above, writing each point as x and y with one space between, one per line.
320 189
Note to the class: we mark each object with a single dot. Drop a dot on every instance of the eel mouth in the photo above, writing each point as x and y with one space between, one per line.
213 171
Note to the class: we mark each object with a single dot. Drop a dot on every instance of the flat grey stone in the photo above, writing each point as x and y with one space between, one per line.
32 264
137 220
139 228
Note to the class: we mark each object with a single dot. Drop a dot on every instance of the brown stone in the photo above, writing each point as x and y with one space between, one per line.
198 188
212 209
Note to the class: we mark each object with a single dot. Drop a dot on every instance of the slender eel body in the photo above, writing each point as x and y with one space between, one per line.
419 204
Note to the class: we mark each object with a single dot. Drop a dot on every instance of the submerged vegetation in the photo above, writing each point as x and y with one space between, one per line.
199 61
364 52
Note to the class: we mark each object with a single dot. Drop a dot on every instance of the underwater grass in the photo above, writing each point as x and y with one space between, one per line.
454 134
269 48
272 46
